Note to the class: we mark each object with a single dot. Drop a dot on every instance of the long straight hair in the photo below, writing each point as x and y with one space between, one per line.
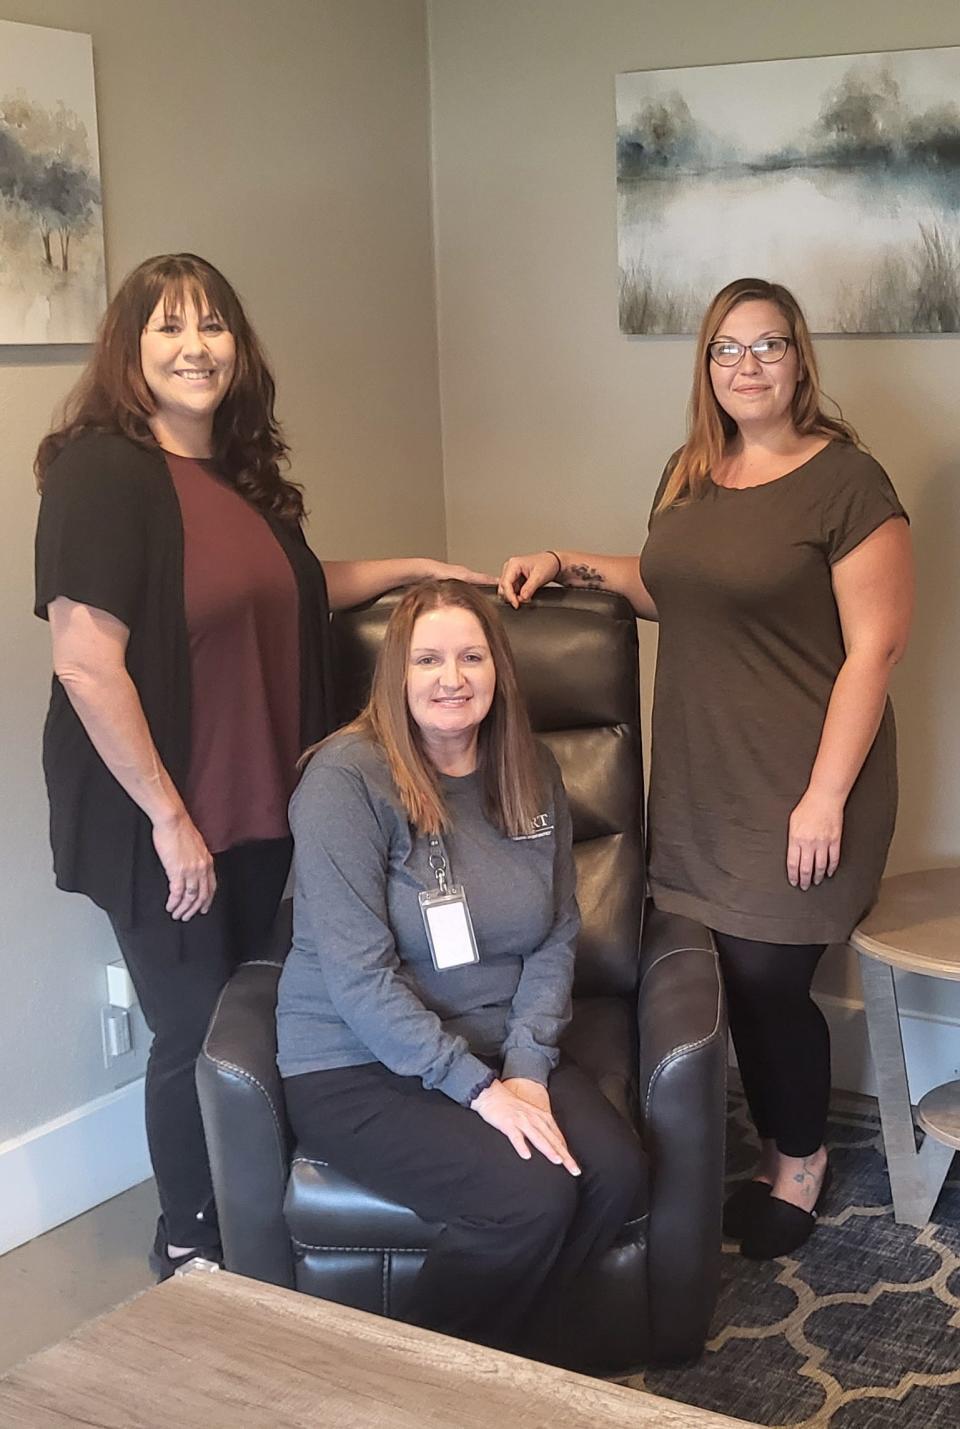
508 762
711 429
112 394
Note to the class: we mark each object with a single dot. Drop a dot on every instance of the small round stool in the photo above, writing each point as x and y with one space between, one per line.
915 927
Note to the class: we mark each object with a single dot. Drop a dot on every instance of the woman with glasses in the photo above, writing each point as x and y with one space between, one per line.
778 566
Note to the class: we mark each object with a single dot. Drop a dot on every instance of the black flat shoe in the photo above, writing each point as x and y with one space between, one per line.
743 1206
781 1228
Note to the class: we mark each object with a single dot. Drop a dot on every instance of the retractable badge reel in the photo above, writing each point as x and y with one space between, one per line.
446 917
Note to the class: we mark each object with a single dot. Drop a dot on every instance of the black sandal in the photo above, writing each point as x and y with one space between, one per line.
743 1206
781 1228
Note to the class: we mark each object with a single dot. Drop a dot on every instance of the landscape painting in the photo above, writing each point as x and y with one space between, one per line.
52 282
839 177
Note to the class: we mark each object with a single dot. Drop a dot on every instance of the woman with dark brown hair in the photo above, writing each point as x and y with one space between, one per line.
190 649
421 1006
778 566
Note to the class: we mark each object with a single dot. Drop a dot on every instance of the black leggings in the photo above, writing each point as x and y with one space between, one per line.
178 970
781 1038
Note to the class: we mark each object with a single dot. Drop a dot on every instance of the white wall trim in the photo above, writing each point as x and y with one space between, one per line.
931 1045
60 1169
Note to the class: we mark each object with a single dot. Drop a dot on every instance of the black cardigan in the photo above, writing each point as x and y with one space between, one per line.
110 535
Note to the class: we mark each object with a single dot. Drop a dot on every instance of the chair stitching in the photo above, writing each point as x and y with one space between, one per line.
254 1081
206 1038
281 1142
683 1051
311 1161
231 1066
662 957
364 1249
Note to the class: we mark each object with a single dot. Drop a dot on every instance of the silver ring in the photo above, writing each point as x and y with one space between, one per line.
193 890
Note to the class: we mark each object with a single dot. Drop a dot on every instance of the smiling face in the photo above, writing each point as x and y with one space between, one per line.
188 358
450 676
753 393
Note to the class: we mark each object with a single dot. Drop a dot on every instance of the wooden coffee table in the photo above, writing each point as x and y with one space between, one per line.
915 927
216 1351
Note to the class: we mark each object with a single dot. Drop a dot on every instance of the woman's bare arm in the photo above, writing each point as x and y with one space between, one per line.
873 586
89 650
522 576
352 582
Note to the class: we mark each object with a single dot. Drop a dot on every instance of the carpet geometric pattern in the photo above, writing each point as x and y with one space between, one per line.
860 1328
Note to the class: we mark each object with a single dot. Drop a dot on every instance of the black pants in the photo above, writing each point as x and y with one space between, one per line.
781 1038
515 1230
179 970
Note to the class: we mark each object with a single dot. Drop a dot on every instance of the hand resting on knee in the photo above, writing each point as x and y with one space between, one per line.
524 1125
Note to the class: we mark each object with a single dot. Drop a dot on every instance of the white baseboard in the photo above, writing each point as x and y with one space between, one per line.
931 1046
57 1171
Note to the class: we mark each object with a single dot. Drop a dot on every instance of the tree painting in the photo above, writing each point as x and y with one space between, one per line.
839 177
51 229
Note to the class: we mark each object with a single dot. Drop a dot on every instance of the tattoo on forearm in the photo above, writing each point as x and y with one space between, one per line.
582 575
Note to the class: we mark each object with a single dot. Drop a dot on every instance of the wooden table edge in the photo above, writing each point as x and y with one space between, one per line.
464 1358
903 961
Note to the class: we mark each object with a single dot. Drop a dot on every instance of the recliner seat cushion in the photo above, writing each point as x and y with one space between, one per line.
349 1215
601 1039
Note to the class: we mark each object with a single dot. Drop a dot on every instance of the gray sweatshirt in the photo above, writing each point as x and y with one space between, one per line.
359 984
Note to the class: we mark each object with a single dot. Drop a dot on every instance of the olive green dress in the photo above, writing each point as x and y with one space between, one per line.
750 646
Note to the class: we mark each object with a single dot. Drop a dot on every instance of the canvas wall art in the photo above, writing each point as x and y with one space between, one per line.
839 177
52 283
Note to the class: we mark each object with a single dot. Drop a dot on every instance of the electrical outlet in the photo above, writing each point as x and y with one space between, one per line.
115 1030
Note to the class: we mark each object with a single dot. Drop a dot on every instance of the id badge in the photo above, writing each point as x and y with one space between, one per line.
449 929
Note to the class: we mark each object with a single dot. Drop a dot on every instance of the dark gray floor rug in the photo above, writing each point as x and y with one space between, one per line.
860 1329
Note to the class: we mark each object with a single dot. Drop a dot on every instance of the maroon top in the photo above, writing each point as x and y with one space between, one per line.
242 611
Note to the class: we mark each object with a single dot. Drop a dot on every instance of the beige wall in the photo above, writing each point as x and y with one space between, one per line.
556 427
289 143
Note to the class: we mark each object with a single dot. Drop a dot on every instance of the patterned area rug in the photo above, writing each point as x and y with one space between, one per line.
860 1329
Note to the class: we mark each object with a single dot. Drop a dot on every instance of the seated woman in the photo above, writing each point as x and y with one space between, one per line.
418 1060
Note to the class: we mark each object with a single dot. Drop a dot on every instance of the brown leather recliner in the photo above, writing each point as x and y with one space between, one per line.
648 1024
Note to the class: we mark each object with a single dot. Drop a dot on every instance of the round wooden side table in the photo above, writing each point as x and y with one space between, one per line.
914 927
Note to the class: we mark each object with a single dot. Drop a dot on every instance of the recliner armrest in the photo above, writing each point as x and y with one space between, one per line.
683 1078
245 1121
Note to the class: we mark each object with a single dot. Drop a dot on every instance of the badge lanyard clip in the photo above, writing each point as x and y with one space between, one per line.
438 862
446 916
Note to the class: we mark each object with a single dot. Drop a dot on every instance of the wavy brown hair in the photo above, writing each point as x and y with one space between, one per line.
508 760
112 395
711 429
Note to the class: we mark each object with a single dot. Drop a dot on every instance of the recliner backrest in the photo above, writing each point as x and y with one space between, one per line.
578 664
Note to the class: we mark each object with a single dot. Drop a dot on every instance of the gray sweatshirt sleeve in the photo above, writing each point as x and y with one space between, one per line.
541 1006
341 869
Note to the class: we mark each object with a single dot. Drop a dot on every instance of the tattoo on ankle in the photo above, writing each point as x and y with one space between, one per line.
805 1177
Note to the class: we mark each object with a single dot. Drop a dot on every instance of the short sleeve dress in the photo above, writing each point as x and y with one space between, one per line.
750 647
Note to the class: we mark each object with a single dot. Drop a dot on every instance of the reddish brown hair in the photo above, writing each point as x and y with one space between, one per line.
112 395
508 760
711 429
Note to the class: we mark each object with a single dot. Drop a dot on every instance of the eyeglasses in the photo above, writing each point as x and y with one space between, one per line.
726 353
